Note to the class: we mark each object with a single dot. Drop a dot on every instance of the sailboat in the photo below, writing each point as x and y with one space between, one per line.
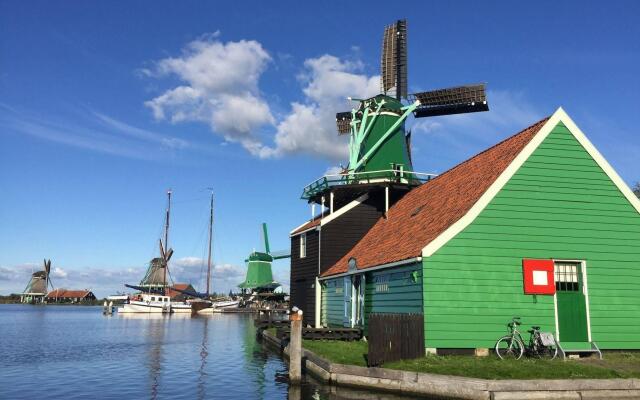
154 298
214 305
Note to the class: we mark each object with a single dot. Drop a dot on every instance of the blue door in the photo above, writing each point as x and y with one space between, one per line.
346 321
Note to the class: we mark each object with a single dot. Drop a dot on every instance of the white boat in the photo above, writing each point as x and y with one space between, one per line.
217 306
118 297
147 303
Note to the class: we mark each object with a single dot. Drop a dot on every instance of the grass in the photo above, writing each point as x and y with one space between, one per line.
614 365
337 351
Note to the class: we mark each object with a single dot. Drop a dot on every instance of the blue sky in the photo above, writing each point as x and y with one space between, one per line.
104 106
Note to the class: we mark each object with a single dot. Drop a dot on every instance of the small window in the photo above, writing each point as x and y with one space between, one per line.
567 277
398 170
153 298
303 245
382 283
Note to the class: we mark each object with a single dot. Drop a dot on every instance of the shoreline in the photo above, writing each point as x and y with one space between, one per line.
448 386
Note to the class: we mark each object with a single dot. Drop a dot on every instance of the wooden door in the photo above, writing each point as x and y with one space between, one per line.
348 312
572 309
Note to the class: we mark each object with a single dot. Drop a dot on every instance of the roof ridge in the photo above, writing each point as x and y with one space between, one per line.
442 197
490 148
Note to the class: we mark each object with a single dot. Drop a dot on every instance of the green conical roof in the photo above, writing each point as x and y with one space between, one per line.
259 275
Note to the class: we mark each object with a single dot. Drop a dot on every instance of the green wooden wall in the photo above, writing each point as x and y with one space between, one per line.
333 305
392 290
403 292
559 205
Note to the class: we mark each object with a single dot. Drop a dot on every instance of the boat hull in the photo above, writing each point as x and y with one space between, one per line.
138 308
217 306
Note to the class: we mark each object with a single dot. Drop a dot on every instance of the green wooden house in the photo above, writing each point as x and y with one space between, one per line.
456 249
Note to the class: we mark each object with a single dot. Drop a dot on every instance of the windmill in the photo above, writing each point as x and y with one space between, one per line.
38 286
155 279
379 146
259 274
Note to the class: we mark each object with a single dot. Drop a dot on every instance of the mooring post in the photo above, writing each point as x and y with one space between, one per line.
295 346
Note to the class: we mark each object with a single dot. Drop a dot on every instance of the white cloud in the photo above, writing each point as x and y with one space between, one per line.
93 131
102 281
310 127
219 87
335 170
193 270
59 273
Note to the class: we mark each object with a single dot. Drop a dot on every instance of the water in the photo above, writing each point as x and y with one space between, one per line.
75 352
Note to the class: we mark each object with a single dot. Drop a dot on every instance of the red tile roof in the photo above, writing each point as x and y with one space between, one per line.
68 294
427 211
182 286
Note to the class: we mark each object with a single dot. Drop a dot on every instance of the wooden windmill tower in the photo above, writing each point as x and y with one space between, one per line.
379 146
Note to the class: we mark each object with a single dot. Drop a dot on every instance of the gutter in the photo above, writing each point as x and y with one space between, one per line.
383 266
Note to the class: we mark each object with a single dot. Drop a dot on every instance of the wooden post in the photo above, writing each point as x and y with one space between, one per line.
295 347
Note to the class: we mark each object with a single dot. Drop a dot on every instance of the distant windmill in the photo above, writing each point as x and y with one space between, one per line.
155 279
38 285
259 274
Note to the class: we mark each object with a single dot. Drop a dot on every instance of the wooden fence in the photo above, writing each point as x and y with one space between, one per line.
394 337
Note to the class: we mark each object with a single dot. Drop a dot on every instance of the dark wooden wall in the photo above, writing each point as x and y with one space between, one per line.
303 276
340 235
332 242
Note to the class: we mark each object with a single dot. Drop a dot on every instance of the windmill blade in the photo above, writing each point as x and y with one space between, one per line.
456 100
343 121
162 254
280 254
265 237
169 254
393 62
47 266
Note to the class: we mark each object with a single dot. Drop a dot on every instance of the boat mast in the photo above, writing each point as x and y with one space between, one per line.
210 240
166 240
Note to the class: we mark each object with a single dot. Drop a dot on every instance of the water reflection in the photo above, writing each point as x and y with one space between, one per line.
204 353
156 336
143 356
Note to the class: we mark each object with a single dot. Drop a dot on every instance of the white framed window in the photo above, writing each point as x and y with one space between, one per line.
382 283
303 245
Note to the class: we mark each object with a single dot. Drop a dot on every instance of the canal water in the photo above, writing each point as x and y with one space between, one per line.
74 352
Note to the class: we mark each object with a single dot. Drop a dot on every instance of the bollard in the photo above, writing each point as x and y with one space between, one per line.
295 347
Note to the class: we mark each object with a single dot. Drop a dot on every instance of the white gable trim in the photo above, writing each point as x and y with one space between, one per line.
559 116
291 234
344 209
330 217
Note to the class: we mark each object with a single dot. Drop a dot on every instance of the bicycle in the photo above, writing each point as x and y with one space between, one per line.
541 344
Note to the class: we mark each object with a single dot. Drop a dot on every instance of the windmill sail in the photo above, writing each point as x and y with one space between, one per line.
155 274
393 63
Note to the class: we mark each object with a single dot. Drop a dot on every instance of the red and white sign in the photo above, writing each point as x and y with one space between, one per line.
538 276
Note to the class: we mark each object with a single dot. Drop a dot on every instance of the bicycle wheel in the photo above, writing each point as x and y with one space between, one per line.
548 352
509 347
